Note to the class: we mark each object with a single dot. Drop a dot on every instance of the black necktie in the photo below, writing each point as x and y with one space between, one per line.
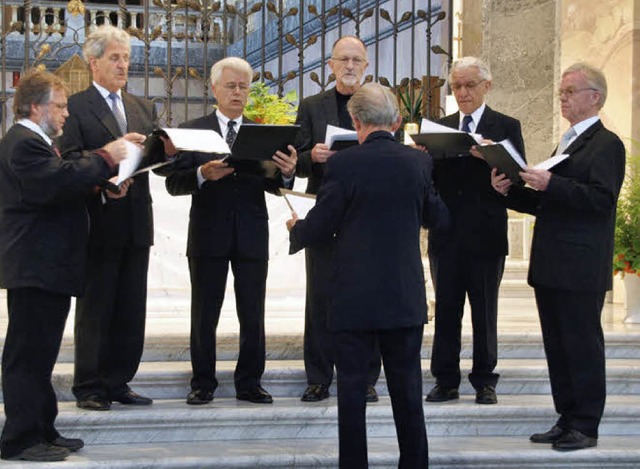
466 120
231 133
122 121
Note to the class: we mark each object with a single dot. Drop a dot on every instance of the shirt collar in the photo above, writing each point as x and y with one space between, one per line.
475 115
105 92
29 124
581 126
224 120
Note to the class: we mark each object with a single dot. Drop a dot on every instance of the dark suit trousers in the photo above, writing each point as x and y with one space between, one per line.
208 282
34 334
110 321
319 347
400 349
456 274
574 346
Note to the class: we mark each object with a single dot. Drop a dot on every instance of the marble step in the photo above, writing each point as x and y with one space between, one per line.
283 378
471 452
289 418
526 342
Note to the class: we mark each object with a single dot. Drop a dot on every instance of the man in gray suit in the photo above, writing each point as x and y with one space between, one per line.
348 62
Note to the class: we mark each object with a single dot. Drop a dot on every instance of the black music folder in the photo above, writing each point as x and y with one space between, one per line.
499 156
445 144
260 142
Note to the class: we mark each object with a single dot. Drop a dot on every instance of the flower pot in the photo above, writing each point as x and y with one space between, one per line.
632 287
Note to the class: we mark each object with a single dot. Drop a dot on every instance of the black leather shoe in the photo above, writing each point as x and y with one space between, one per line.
486 395
93 402
41 453
256 395
574 439
199 397
72 444
132 398
315 393
372 395
549 437
441 394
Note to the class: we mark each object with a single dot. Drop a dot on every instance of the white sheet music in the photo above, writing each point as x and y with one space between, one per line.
299 202
203 140
338 134
129 165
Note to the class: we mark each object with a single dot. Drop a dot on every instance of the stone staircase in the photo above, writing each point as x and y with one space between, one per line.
233 434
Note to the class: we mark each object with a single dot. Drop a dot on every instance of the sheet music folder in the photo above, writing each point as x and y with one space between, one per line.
497 156
260 142
444 144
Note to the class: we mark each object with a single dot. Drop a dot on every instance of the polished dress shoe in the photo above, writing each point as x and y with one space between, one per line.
199 397
548 437
574 439
41 452
132 398
372 395
93 402
256 395
486 395
72 444
441 394
315 393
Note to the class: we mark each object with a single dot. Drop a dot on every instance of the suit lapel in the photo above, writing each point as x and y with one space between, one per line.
487 121
99 107
131 111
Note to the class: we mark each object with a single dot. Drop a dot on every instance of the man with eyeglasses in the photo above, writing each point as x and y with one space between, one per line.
571 252
43 239
228 225
110 317
348 62
468 258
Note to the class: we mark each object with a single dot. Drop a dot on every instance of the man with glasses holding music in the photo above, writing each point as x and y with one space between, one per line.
348 62
468 258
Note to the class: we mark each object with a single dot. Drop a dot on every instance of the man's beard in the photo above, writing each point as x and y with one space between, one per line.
48 129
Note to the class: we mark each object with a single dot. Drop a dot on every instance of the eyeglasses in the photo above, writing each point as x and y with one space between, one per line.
346 60
60 106
243 87
569 92
469 86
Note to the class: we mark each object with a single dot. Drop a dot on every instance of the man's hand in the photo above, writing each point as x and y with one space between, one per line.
117 149
135 137
538 179
215 170
123 188
169 148
320 153
293 221
286 163
500 182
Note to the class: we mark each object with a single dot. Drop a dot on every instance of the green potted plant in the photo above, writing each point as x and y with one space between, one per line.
266 108
626 260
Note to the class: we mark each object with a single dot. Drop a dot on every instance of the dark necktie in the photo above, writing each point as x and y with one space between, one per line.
55 150
466 120
122 121
231 133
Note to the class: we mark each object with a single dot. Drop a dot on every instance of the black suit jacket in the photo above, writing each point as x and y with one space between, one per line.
43 220
373 201
314 114
478 213
228 214
91 125
575 217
